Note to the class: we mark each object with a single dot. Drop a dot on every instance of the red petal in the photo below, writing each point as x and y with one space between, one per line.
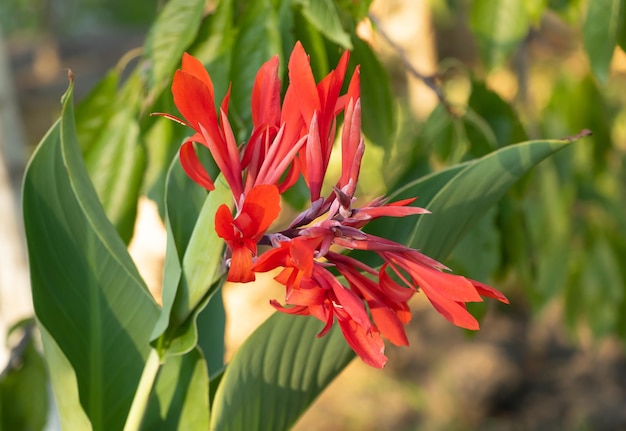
272 259
194 99
241 266
489 291
389 324
303 83
391 289
224 223
454 312
453 287
266 95
261 207
195 68
368 345
193 167
350 303
393 211
298 309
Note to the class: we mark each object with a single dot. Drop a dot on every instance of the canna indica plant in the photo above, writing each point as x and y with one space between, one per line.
297 139
118 360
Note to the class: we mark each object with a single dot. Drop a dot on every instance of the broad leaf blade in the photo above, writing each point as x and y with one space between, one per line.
600 33
258 40
180 398
193 260
116 164
277 373
376 98
64 385
467 195
172 32
323 15
87 292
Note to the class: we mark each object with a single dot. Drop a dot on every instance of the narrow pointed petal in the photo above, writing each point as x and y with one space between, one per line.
368 346
193 167
489 291
454 312
303 83
266 95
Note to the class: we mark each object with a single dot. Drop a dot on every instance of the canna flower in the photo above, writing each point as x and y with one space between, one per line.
296 138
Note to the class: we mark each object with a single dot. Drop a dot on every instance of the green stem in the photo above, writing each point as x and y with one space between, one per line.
140 402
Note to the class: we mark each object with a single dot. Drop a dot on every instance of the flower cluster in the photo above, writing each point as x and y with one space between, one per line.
292 139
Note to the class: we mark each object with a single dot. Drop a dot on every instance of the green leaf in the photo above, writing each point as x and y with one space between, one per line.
87 292
477 254
499 116
193 267
499 26
277 373
376 99
600 288
95 110
600 35
172 32
258 40
324 16
459 196
116 163
357 9
180 397
621 32
64 385
211 331
23 385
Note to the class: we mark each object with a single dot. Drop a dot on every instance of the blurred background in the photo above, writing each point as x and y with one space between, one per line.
556 245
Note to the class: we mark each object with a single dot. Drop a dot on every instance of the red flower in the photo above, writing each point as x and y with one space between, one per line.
260 208
297 138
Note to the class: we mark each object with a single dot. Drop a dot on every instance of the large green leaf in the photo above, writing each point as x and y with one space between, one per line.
193 267
499 26
323 15
377 100
277 373
87 292
116 164
258 40
94 111
459 202
600 33
180 398
172 32
64 385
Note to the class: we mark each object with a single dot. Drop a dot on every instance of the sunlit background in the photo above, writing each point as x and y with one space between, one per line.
556 245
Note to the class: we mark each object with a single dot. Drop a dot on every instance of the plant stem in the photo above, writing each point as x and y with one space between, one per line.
140 402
